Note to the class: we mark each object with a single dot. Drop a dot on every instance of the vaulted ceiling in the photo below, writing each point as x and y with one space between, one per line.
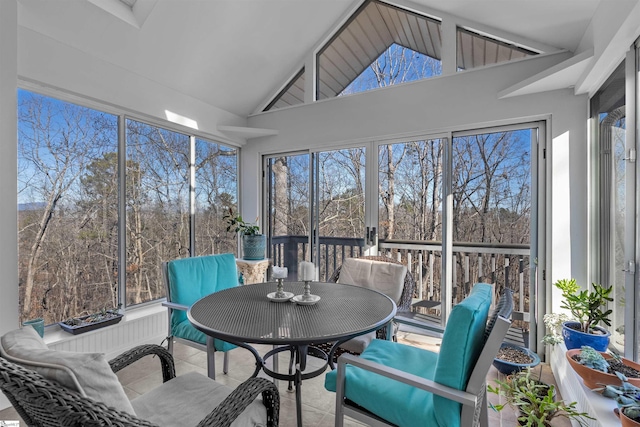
234 54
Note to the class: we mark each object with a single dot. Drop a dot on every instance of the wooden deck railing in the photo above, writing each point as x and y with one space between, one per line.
505 265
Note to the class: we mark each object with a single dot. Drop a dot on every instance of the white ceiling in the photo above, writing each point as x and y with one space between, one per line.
233 54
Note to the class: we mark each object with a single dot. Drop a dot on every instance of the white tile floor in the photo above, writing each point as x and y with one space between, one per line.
317 403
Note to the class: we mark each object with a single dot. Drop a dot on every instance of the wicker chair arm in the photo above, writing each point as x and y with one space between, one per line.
336 274
231 407
136 353
48 404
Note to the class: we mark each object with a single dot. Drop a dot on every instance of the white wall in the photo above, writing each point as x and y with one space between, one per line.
8 169
8 166
463 101
51 64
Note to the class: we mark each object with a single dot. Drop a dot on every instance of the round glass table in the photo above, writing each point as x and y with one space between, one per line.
244 315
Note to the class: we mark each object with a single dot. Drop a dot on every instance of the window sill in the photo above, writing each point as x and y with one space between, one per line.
573 390
142 325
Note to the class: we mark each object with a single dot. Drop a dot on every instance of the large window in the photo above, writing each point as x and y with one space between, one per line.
69 201
616 199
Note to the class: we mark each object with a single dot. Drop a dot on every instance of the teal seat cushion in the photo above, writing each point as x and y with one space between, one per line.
186 331
396 402
462 343
193 278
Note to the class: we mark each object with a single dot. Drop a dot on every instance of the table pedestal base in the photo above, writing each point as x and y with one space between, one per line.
299 354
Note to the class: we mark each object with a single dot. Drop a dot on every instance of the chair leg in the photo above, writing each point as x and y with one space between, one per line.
484 413
340 379
211 359
225 366
170 344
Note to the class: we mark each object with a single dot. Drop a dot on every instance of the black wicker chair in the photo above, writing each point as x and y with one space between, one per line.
41 402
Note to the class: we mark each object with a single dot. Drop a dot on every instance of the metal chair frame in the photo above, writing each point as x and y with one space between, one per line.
208 347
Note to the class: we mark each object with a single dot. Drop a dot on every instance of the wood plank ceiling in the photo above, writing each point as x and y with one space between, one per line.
475 50
372 29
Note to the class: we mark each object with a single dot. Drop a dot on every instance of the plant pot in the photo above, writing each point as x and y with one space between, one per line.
253 246
38 325
575 339
507 368
624 420
593 378
84 326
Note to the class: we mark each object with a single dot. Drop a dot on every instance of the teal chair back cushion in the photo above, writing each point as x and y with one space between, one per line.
193 278
462 343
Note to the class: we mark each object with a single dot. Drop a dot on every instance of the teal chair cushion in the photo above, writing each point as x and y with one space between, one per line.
186 331
404 405
193 278
396 402
462 343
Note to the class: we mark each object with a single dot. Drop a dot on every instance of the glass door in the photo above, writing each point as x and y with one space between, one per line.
288 205
338 214
493 215
316 209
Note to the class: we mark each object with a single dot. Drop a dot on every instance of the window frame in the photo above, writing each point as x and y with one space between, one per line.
123 114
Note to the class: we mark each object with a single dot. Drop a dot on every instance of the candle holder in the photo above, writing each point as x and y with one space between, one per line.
307 298
280 295
280 290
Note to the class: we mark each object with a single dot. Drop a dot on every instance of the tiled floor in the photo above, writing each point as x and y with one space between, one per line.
318 404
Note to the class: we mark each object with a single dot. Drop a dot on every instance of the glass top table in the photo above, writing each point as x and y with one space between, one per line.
244 315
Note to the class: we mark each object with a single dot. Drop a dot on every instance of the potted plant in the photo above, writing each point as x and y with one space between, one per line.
627 396
534 400
589 309
553 322
600 368
514 358
253 243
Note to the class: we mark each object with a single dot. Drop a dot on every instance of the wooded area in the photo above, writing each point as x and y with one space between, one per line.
68 213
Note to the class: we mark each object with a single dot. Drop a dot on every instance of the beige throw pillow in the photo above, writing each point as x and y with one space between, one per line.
87 373
381 276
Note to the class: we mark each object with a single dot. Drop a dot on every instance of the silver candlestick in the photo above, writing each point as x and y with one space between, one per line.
280 290
307 291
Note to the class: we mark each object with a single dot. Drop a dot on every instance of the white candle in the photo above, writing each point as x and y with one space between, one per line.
306 271
279 272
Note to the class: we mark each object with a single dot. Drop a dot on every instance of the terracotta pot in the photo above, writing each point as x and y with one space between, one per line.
593 378
624 420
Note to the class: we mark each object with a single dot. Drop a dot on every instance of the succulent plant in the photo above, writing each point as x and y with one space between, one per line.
589 308
626 395
593 359
633 412
553 322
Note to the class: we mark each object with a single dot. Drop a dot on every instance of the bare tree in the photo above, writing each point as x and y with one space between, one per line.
56 142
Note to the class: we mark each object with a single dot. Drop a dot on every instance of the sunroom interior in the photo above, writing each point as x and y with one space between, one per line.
266 89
